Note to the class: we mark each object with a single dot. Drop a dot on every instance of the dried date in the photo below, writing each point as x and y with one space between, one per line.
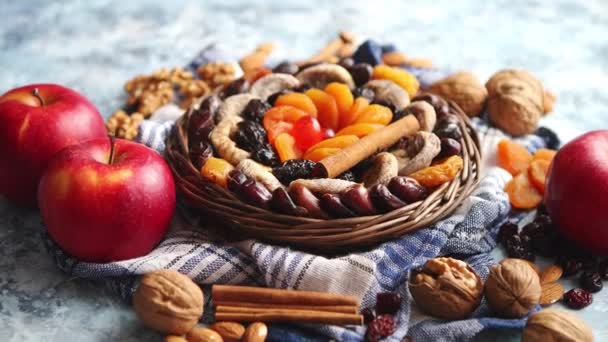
357 199
306 199
383 199
407 189
200 152
333 205
282 202
254 193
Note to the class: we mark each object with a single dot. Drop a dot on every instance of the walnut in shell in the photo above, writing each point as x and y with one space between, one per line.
515 101
465 89
512 288
446 288
168 301
556 325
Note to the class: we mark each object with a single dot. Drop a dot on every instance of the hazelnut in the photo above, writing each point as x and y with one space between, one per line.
168 301
512 288
446 288
556 325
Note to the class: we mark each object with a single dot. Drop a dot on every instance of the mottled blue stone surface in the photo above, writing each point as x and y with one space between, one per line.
95 46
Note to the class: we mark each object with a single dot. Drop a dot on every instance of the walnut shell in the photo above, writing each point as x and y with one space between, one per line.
515 101
465 89
168 301
556 325
513 288
446 288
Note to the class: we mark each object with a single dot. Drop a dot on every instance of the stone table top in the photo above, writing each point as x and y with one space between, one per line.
95 46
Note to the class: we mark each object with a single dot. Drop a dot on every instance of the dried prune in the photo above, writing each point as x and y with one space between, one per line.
517 247
388 303
200 152
507 230
591 281
407 189
286 68
544 220
449 147
282 202
449 130
332 204
358 200
238 86
293 169
266 155
383 199
250 136
254 193
577 298
200 124
439 104
361 73
255 110
367 93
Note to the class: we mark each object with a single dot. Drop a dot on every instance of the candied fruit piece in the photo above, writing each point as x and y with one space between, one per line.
513 157
349 117
285 144
335 142
216 170
440 173
342 94
280 119
359 130
522 194
401 77
320 153
327 109
298 100
375 114
307 132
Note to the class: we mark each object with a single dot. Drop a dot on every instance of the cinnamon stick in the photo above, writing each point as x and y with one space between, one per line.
299 316
379 140
231 293
254 307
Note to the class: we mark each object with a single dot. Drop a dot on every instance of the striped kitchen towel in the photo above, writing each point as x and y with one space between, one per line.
469 234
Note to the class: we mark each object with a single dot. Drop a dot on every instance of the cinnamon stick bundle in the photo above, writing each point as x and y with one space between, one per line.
230 293
299 316
235 306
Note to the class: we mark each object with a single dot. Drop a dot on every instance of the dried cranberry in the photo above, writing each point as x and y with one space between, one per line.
382 326
368 315
570 266
388 303
591 281
577 298
286 68
507 230
450 130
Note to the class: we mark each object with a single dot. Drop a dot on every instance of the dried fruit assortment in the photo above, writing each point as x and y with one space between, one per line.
264 137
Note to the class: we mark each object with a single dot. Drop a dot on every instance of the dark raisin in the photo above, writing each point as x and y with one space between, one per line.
348 175
603 269
346 62
449 147
238 86
590 263
544 221
449 130
364 92
388 303
368 315
272 98
255 110
266 155
293 169
570 266
549 137
200 152
577 298
507 230
286 68
361 73
442 108
382 326
387 104
591 281
517 247
250 136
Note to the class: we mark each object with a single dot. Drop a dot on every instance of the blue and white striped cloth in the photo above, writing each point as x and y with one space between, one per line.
468 234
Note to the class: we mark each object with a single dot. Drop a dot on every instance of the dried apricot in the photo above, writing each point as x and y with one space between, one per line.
375 114
320 153
544 154
513 157
216 170
341 93
280 119
359 130
440 173
285 144
298 100
350 116
401 77
337 142
327 109
522 194
538 173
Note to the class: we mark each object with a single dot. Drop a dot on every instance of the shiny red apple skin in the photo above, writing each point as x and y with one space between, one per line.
576 193
99 212
31 133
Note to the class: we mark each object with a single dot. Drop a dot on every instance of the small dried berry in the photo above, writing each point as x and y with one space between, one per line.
544 220
449 147
250 136
591 281
286 68
570 266
238 86
255 110
361 73
449 131
549 137
507 230
368 315
266 155
382 326
603 269
446 120
517 247
367 93
577 298
387 303
294 169
590 263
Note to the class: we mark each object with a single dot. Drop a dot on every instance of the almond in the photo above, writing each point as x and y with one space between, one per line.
394 58
199 334
230 331
551 293
551 274
256 332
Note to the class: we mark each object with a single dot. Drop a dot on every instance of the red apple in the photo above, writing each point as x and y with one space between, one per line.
36 121
576 193
106 199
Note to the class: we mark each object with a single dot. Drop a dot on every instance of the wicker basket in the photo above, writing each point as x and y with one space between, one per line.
328 237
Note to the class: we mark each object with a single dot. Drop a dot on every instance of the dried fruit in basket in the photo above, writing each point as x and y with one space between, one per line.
285 144
522 194
360 130
280 119
438 174
342 95
513 157
335 142
298 100
216 170
401 77
307 132
321 153
375 114
327 108
351 115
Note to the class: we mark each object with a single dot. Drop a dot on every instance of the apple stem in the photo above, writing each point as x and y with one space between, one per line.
112 145
36 93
